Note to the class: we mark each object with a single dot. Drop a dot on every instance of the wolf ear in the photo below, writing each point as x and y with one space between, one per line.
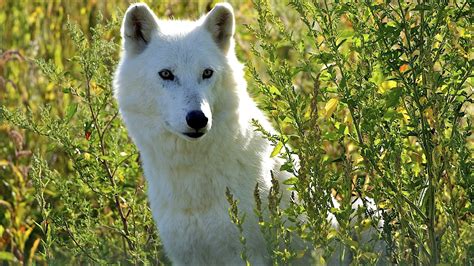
138 26
220 23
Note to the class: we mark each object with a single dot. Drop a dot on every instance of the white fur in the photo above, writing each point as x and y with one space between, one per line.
187 178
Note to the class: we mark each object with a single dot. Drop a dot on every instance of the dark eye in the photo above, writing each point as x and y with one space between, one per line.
207 73
166 74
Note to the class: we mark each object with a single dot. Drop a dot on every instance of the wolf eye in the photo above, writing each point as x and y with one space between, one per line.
166 74
207 73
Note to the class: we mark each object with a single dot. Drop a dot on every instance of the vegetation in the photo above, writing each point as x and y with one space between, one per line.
374 97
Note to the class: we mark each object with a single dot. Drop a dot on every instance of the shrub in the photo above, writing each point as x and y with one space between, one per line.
374 99
94 211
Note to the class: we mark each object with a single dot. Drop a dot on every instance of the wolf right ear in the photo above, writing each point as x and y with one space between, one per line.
138 27
220 23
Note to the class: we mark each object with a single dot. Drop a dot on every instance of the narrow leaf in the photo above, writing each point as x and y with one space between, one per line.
277 149
71 111
330 107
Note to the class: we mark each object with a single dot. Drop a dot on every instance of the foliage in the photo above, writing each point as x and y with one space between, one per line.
376 101
374 98
94 210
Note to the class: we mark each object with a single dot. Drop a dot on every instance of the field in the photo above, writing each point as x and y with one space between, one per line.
375 97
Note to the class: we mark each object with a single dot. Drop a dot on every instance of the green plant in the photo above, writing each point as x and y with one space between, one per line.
374 99
93 210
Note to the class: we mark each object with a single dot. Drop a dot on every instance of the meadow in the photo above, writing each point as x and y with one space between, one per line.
374 97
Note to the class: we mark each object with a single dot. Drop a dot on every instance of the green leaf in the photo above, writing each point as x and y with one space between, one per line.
331 136
330 107
291 181
332 234
392 98
71 111
352 244
286 167
341 43
421 7
6 256
274 90
277 149
392 114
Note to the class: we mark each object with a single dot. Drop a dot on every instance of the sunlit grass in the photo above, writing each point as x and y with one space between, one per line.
374 98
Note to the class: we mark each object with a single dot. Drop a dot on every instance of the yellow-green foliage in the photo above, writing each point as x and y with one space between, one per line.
374 97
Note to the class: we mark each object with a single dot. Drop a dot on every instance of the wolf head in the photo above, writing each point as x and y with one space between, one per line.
171 72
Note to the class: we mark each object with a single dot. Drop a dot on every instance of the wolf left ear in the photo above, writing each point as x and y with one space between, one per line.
138 26
220 23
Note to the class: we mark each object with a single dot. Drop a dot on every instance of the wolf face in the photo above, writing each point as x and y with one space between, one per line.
171 72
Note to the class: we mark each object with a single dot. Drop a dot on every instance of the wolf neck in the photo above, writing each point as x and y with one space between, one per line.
230 128
231 150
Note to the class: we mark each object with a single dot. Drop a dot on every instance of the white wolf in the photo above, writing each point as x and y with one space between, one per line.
182 94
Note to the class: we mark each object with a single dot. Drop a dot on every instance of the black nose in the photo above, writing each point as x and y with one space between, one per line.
196 119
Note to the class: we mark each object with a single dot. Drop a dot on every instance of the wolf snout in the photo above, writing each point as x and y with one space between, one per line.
196 119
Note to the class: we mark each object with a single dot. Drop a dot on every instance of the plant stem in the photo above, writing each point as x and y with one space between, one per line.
431 204
106 166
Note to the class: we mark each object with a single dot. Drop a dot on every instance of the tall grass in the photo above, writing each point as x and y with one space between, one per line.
374 98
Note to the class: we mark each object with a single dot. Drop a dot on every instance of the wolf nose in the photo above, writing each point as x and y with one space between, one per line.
196 119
